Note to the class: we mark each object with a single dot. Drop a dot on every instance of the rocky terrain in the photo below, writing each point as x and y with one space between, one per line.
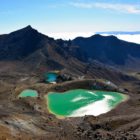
26 54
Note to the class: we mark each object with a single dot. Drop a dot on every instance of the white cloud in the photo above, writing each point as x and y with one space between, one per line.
72 35
126 8
130 38
69 35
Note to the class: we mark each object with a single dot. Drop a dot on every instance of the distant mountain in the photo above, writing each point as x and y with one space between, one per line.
120 33
108 50
91 56
20 44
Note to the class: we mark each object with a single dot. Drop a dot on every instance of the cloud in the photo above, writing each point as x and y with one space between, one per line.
125 8
69 35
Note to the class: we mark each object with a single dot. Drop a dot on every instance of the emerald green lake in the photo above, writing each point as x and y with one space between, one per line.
50 77
80 102
28 93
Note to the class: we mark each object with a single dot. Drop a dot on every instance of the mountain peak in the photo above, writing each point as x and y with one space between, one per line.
21 43
29 27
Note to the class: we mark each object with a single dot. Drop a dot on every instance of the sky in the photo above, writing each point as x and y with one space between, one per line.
69 17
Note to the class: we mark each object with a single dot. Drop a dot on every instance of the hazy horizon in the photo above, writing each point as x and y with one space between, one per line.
75 16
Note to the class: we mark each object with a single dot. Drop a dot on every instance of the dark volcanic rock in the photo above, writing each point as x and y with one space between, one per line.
39 52
26 54
20 44
107 49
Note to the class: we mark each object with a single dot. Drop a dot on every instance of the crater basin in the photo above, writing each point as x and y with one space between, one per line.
81 102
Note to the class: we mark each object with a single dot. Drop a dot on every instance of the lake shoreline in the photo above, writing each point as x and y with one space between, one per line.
123 96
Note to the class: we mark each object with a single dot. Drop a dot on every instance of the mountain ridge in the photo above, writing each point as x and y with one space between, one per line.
27 42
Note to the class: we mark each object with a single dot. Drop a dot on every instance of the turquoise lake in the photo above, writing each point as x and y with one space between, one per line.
28 93
50 77
80 102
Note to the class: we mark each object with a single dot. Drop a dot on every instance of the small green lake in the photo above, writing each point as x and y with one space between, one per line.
28 93
80 102
50 77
